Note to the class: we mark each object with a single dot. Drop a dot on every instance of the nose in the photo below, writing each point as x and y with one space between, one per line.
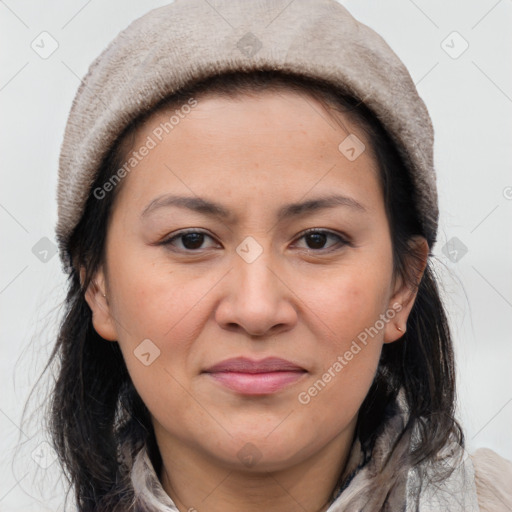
258 300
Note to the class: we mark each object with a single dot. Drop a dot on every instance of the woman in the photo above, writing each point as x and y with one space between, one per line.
247 208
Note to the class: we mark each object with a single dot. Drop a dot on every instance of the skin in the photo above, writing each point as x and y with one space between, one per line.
302 299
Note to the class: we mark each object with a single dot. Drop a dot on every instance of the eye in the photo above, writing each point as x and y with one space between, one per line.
317 238
191 240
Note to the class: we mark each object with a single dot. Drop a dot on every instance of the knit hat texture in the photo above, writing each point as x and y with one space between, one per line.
183 42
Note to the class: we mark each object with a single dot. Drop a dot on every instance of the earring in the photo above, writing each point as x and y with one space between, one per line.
399 329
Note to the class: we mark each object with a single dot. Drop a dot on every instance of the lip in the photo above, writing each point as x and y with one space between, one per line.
250 377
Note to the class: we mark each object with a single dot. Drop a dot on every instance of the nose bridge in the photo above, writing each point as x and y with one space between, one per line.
257 299
252 269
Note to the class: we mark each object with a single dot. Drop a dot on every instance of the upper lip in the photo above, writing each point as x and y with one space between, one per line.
246 365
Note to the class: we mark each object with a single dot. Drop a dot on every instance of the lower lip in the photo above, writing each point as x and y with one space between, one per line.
257 383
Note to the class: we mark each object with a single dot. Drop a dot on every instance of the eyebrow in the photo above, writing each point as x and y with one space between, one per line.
212 209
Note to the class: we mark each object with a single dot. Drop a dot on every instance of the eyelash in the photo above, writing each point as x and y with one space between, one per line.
343 241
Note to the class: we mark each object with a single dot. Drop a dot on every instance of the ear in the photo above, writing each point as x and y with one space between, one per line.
404 293
102 319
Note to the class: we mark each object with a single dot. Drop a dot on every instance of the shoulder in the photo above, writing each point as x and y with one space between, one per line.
493 481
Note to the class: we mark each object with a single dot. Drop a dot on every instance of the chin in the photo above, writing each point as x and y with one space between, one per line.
260 451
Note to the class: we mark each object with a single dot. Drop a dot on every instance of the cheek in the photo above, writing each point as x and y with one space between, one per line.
345 311
157 301
168 309
345 302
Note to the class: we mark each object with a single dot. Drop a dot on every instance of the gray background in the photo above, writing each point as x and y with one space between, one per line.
469 97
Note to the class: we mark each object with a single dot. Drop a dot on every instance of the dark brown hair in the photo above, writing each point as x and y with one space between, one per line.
94 407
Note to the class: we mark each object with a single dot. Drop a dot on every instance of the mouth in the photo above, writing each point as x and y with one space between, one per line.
250 377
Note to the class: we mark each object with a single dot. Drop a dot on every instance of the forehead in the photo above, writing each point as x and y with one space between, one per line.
260 121
283 140
283 108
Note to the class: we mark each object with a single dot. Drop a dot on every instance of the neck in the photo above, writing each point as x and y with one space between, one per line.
197 482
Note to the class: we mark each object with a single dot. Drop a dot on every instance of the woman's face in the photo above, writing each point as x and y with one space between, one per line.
248 178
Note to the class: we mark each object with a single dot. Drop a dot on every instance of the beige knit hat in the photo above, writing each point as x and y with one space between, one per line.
172 46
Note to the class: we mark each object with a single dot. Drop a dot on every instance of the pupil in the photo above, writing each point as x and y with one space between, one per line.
195 238
317 237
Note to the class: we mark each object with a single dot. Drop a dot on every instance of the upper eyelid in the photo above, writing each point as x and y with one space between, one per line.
186 231
321 230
